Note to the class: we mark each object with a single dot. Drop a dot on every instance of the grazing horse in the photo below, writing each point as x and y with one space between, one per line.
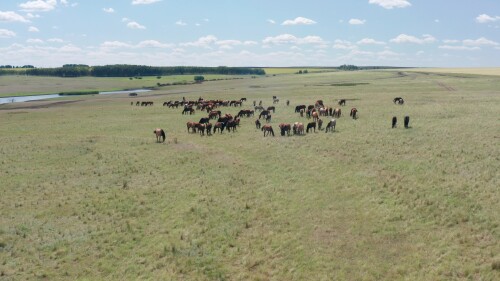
271 108
302 113
298 128
331 126
220 126
208 127
264 113
267 129
398 100
259 107
299 107
276 100
201 128
214 114
315 116
311 125
187 110
285 128
287 102
407 121
337 112
160 135
231 125
342 102
257 124
204 120
353 113
192 126
394 121
320 124
268 118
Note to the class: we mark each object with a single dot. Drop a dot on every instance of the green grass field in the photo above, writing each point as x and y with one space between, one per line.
87 194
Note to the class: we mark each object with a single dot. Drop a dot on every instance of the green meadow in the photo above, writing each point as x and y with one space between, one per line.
88 194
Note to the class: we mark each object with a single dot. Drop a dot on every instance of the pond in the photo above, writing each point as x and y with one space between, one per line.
51 96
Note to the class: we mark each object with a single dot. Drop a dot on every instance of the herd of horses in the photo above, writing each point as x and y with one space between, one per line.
230 123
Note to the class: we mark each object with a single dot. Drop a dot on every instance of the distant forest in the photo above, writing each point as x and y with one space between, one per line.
123 70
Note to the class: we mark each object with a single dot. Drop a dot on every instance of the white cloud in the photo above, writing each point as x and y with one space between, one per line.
299 21
356 21
343 45
271 21
370 41
459 48
12 17
204 42
108 10
144 2
33 29
38 6
115 44
403 38
153 44
449 41
390 4
5 33
291 39
55 40
34 41
180 22
135 25
480 42
31 16
484 18
125 19
70 49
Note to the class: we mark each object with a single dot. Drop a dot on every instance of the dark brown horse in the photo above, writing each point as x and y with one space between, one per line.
337 112
353 113
285 129
342 102
264 113
219 126
267 129
160 135
192 126
257 124
311 125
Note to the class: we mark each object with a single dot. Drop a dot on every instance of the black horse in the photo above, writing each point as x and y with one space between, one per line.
407 122
299 107
311 125
398 100
394 121
204 120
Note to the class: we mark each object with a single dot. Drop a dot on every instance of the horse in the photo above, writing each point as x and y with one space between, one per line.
264 113
311 125
285 128
208 127
287 102
407 121
192 126
298 128
341 102
302 113
276 100
353 113
315 116
271 108
201 128
231 125
220 126
214 114
267 129
398 100
394 121
257 124
331 126
319 103
259 107
268 118
204 120
159 135
320 124
337 112
299 107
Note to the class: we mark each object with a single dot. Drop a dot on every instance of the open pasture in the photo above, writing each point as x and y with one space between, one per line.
88 194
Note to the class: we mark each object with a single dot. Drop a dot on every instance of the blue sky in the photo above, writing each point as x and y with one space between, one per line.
434 33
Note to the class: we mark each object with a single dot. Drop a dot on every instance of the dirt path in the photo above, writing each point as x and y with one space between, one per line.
444 86
30 105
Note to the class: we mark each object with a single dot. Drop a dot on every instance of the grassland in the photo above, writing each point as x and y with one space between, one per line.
87 194
495 71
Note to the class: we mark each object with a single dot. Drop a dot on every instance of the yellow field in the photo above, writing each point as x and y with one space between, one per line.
478 71
292 70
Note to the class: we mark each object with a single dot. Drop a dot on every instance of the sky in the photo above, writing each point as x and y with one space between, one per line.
280 33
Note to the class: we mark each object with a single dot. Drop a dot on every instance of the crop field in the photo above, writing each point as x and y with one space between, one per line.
472 71
88 194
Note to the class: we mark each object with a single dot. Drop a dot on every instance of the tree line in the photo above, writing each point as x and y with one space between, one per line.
123 70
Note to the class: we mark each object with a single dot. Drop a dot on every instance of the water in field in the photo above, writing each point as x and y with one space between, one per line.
51 96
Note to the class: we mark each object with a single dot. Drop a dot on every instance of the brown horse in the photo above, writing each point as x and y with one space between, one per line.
298 128
285 129
220 126
160 135
257 124
315 116
192 126
353 113
342 102
267 129
337 112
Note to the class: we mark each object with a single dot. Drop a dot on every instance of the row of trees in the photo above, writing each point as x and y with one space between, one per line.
122 70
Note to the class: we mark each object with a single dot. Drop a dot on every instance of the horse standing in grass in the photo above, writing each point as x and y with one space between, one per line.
353 113
298 128
342 102
407 121
331 126
267 129
320 124
192 126
160 135
394 121
220 126
285 129
337 112
311 125
257 124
